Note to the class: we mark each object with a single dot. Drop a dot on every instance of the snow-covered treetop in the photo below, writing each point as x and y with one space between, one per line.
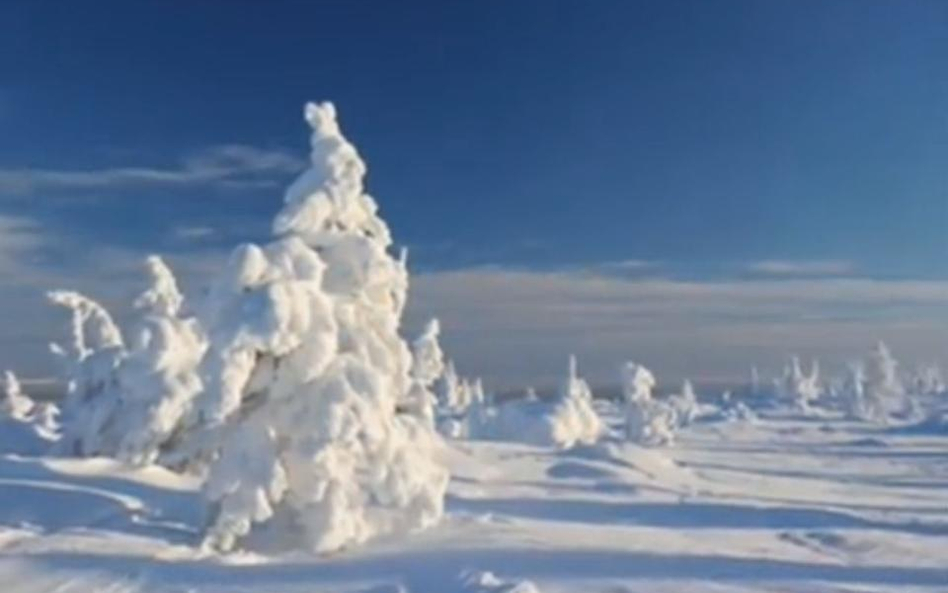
328 197
162 296
92 326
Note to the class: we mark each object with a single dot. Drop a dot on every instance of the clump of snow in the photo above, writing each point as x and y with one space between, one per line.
128 400
15 404
798 388
26 427
647 421
306 372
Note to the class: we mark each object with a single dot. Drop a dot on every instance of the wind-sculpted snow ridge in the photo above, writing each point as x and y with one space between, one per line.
307 373
128 400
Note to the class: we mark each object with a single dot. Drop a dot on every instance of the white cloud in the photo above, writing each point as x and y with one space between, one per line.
232 166
829 267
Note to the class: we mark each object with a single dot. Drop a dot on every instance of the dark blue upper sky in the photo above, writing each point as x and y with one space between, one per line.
718 141
517 132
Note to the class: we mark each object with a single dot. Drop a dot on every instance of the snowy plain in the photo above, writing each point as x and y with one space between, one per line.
782 503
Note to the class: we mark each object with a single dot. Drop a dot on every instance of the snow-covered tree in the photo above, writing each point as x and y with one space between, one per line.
128 400
90 360
646 421
158 377
427 367
799 388
306 371
15 404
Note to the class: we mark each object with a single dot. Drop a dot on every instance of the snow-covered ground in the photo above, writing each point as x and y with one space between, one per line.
783 503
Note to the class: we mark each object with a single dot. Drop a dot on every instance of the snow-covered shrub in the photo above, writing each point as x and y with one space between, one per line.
798 388
567 420
306 372
128 400
647 421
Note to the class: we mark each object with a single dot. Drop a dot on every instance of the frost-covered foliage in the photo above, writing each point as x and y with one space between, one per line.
306 371
873 389
567 420
15 404
128 400
647 421
798 388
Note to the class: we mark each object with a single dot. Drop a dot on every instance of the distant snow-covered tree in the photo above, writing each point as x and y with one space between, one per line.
427 367
873 390
646 421
306 372
799 388
928 380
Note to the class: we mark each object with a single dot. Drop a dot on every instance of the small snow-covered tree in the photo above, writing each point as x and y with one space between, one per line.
797 387
128 400
91 359
427 367
158 377
306 371
646 421
15 404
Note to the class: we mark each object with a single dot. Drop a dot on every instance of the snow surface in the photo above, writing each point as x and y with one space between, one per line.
781 504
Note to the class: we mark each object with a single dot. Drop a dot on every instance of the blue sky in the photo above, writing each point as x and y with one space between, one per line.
793 148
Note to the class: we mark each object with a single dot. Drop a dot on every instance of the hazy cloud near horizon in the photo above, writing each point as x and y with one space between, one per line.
517 326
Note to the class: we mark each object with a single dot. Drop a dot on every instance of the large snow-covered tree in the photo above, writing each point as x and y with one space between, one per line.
306 371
